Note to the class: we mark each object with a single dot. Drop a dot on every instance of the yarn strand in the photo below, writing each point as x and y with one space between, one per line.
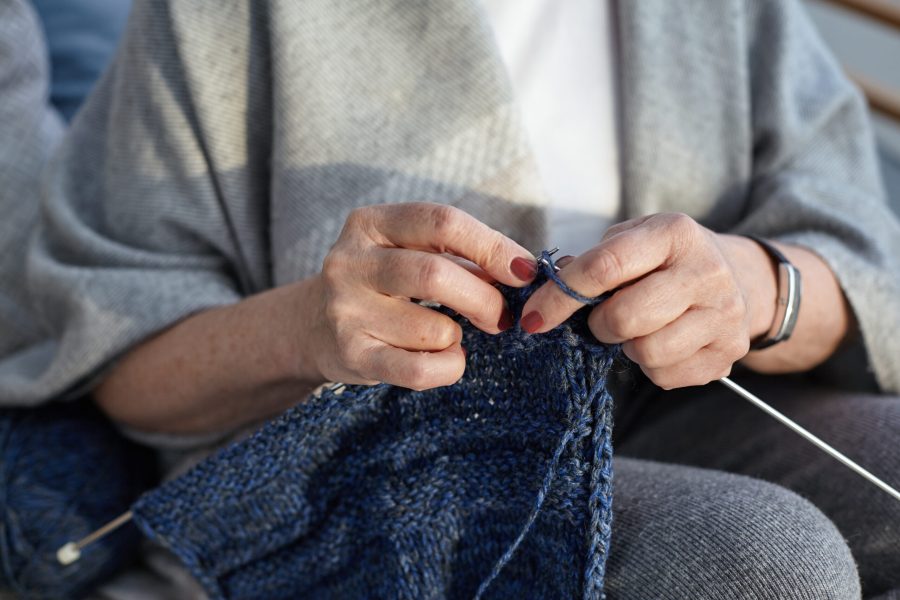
593 395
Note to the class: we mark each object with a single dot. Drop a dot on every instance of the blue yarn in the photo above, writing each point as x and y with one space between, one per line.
551 274
64 472
499 485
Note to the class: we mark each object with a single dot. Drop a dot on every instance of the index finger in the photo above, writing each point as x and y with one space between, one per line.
614 262
443 228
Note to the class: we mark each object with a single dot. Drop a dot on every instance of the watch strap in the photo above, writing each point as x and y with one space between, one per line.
787 300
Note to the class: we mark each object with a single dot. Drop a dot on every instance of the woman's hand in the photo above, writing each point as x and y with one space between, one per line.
366 329
687 301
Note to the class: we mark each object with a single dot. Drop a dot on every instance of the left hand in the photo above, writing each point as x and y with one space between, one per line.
682 308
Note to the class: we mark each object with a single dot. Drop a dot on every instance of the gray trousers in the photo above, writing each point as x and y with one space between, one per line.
760 513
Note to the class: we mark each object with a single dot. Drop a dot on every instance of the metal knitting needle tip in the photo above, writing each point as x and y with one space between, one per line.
71 552
810 437
551 252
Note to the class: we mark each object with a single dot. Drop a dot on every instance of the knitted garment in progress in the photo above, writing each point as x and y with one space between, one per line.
497 486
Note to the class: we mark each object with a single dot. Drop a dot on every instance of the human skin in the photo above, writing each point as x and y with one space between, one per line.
687 304
688 301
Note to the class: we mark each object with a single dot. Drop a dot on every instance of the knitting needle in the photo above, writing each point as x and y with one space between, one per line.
810 437
71 552
793 425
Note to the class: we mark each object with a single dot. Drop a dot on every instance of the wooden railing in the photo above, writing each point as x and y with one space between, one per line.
881 98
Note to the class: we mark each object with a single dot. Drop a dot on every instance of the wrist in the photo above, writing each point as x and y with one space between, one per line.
758 278
302 313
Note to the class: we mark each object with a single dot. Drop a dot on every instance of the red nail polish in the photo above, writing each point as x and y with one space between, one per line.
506 320
532 321
523 268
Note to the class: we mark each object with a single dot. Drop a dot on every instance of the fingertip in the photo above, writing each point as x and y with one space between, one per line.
532 321
524 269
564 260
546 309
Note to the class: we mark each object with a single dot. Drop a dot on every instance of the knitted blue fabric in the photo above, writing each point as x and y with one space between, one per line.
497 486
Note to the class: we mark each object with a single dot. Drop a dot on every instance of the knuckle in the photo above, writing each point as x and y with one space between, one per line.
620 321
683 230
417 375
733 306
444 220
357 216
612 231
496 247
334 266
682 223
737 347
422 373
648 354
438 332
605 267
447 334
432 277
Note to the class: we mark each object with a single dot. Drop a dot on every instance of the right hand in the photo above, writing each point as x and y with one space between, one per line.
365 329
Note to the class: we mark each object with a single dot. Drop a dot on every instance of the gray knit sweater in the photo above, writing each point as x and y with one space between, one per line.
224 148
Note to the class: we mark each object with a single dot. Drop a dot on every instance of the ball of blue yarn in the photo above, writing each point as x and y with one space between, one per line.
64 472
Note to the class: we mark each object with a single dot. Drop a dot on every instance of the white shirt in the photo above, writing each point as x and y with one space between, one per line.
561 61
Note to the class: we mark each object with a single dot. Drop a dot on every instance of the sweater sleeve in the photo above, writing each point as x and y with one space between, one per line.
816 181
29 130
153 208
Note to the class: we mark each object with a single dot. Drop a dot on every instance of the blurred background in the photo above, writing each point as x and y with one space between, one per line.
865 35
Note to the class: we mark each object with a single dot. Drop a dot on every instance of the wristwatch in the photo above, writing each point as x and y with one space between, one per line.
788 303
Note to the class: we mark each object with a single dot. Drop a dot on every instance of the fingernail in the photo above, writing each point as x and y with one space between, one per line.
523 268
532 321
564 260
506 320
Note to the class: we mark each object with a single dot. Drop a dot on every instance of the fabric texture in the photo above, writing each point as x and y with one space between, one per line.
29 130
679 532
682 532
226 145
223 150
737 437
497 486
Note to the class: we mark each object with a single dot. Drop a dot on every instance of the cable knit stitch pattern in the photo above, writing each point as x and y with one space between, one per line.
499 485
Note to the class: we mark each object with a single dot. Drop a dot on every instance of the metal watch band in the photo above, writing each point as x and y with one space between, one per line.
788 299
